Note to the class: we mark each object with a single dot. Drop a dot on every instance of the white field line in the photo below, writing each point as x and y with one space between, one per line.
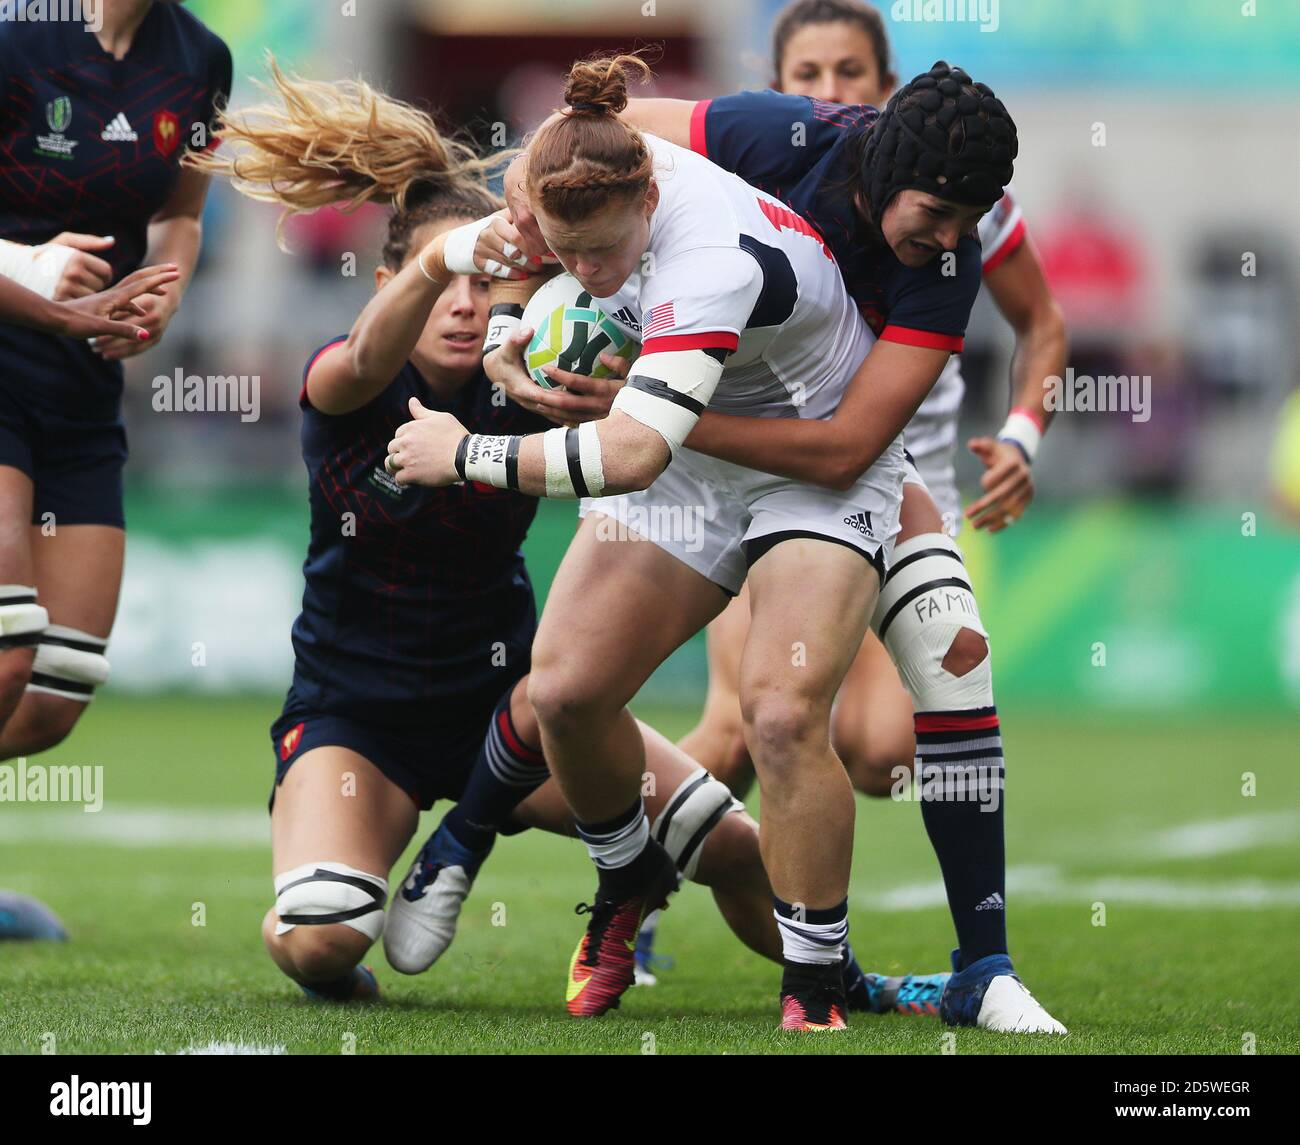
138 826
147 826
1224 836
1051 884
227 1048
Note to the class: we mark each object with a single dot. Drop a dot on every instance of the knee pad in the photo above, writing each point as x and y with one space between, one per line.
695 808
69 663
22 620
319 894
925 602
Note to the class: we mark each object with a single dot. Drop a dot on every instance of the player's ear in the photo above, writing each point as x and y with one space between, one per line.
383 276
651 198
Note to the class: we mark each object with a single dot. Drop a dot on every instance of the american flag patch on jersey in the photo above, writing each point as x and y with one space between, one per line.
657 319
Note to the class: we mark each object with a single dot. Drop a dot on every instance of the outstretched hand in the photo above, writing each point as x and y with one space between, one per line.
423 451
1007 482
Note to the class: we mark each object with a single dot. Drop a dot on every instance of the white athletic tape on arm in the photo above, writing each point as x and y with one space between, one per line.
669 391
503 320
37 268
590 460
1021 429
322 894
574 466
493 460
458 250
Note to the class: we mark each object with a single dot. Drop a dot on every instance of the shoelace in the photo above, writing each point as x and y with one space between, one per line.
602 914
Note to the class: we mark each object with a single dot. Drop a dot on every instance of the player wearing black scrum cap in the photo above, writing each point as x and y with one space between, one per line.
896 195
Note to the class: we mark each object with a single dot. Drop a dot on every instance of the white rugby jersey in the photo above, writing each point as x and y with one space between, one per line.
729 267
934 426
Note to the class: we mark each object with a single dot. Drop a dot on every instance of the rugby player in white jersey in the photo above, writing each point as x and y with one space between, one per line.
740 307
842 168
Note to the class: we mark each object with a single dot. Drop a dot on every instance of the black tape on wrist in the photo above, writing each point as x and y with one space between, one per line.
461 450
508 309
512 463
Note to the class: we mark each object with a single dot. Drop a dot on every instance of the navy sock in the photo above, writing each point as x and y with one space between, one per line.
505 773
959 774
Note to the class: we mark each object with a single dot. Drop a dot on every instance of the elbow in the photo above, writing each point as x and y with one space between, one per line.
361 353
1044 325
840 470
632 479
634 472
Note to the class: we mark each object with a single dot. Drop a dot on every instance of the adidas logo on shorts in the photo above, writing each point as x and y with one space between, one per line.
119 131
993 902
861 522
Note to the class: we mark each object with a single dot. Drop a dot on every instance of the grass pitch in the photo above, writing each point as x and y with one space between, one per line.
1142 822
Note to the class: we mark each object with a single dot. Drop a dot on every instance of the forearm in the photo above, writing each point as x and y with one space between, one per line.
388 329
1041 350
175 239
24 307
833 453
605 458
669 119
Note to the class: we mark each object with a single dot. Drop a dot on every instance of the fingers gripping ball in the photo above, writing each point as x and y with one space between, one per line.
571 332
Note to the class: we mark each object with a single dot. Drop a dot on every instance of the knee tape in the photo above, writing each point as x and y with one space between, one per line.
319 894
22 620
694 809
925 601
69 663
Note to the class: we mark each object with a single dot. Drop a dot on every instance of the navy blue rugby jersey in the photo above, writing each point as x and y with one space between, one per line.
793 147
93 144
413 595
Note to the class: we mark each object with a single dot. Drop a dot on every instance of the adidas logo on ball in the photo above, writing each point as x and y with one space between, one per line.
119 131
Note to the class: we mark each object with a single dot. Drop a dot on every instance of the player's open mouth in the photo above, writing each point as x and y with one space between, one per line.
467 338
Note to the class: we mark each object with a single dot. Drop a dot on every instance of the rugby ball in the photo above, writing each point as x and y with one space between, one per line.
570 331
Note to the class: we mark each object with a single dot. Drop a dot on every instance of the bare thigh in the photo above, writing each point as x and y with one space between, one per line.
336 806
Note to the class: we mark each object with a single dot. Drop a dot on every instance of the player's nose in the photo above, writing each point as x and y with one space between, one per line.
948 234
462 295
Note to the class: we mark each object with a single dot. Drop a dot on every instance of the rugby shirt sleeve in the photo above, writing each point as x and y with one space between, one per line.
1001 231
767 137
220 79
700 299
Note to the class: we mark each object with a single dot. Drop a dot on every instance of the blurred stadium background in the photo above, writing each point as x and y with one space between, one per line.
1137 540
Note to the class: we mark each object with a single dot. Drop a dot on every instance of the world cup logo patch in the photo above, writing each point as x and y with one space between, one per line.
58 113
